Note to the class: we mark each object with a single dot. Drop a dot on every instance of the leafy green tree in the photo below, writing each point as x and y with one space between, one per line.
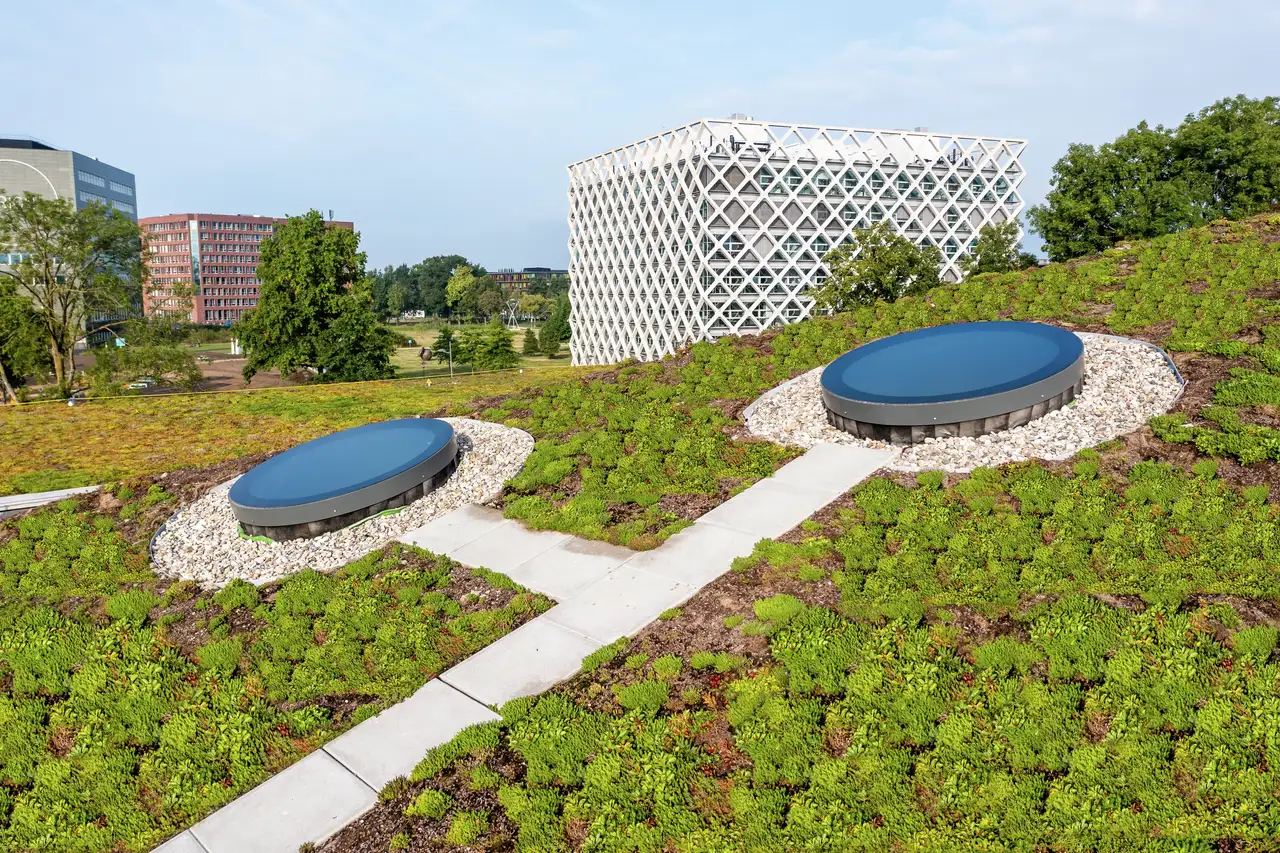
556 330
492 348
1127 189
356 347
490 301
878 265
22 348
533 305
75 263
1221 162
1232 153
531 346
996 250
431 278
310 307
165 363
397 299
444 345
462 291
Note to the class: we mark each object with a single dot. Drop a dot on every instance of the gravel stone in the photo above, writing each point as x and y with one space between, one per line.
1126 383
201 541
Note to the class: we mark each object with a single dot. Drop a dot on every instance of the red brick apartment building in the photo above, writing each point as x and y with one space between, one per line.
213 254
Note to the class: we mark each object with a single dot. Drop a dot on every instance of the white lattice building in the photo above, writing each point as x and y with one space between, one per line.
719 227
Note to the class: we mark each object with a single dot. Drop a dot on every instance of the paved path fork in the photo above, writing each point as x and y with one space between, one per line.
603 593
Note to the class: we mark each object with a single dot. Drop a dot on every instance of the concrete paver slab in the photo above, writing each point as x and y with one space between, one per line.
832 467
621 603
696 555
529 660
767 509
392 743
564 569
451 531
507 546
182 843
307 801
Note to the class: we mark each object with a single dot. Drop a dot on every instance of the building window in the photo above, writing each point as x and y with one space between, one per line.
90 178
122 206
87 197
123 189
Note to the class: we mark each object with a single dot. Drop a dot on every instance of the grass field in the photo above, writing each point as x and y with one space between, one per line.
53 446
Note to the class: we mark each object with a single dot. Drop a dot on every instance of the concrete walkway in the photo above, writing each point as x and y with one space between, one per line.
14 504
604 592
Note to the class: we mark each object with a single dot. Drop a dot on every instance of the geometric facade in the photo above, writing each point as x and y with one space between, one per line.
720 226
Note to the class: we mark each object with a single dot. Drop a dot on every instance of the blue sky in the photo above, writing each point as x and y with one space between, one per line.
446 127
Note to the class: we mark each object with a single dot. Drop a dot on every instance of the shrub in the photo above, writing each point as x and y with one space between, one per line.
430 803
466 827
131 606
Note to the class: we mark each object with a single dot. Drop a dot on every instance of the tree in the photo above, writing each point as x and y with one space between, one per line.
556 331
489 301
431 278
442 349
878 265
311 314
531 346
152 351
1234 149
22 348
1221 162
490 348
356 347
997 250
461 291
533 305
75 263
1128 189
397 299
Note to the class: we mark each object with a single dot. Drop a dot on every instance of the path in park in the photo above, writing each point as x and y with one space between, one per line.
603 592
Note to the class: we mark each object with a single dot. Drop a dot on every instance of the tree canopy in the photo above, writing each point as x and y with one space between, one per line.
878 264
75 263
314 311
996 250
1223 161
22 347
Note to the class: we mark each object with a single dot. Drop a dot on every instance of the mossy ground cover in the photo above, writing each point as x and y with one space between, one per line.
633 454
50 446
130 706
1073 660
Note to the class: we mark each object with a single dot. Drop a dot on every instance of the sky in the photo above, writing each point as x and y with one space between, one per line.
446 127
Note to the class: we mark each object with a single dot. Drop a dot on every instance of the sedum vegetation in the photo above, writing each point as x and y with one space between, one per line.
887 721
130 707
612 448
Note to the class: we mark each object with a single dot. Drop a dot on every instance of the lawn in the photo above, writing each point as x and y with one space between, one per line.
51 445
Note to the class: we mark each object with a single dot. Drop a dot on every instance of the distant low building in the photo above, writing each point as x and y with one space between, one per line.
520 281
215 255
29 165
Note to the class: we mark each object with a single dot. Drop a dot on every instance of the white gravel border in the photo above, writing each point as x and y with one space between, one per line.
201 541
1126 383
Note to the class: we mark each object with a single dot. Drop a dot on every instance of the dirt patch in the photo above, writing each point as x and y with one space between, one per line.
977 630
1264 415
689 506
372 832
1252 612
1202 372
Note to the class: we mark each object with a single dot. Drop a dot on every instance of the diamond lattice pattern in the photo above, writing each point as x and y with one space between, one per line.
719 227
